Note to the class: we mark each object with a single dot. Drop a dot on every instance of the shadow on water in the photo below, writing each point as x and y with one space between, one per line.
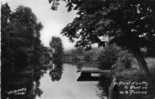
68 87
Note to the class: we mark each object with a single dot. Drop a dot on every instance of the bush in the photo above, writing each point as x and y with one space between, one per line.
108 57
124 60
114 57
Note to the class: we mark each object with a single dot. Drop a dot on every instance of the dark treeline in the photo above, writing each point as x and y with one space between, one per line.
106 56
24 58
79 55
21 52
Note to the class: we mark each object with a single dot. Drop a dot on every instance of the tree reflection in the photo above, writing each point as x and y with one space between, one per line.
56 73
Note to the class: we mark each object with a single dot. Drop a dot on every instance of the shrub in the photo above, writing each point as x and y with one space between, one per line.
108 57
114 57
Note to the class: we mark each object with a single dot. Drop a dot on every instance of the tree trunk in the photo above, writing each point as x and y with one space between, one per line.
141 61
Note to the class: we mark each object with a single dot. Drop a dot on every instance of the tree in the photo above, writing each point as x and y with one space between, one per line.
129 23
57 69
56 45
21 49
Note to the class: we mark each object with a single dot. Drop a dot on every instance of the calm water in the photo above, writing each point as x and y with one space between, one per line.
68 87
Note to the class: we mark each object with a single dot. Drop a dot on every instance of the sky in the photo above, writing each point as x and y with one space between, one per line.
53 21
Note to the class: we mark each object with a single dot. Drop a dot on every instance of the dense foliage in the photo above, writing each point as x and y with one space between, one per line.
57 69
21 52
113 57
108 57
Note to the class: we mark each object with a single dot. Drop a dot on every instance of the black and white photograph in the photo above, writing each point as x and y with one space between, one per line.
77 49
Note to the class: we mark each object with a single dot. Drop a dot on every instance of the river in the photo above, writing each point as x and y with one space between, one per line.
68 87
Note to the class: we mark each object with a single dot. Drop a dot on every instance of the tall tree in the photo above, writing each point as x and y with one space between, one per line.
56 45
21 49
129 23
57 69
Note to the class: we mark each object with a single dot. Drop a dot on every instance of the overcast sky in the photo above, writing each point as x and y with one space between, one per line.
53 21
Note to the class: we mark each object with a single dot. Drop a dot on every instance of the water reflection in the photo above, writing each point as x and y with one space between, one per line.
68 87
